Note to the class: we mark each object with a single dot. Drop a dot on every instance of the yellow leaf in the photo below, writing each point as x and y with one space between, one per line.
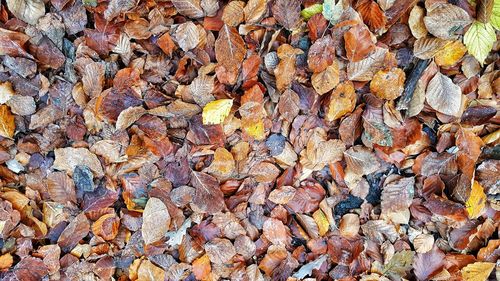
476 202
216 111
254 128
478 271
450 54
7 125
321 221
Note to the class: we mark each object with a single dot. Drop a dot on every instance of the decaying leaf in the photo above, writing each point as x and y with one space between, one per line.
7 124
477 200
446 20
443 95
27 10
156 221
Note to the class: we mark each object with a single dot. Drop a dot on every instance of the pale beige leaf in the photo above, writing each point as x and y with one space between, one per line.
443 95
220 250
187 36
416 22
446 21
397 195
156 221
210 7
201 89
364 69
427 47
128 116
28 11
66 159
22 105
6 92
189 8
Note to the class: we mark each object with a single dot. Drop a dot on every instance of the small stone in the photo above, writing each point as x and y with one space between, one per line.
83 178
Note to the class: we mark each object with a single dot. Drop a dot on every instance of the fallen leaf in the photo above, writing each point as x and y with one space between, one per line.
326 80
478 271
156 221
446 20
479 40
371 13
216 111
443 95
342 101
476 201
388 84
450 54
254 10
230 50
287 13
358 43
28 11
189 8
7 124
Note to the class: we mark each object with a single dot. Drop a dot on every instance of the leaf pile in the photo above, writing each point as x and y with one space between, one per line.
249 140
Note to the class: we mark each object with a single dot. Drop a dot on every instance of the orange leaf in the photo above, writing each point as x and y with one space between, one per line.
7 125
372 15
358 43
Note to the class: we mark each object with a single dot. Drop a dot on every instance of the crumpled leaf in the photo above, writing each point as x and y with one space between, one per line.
216 111
397 195
254 10
479 40
68 158
319 151
342 101
208 196
28 11
287 13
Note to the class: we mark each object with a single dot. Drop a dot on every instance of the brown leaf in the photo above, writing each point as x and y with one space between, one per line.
285 71
61 188
321 54
397 196
223 164
428 264
232 14
68 158
27 10
208 196
276 232
361 160
342 101
287 13
107 226
254 10
76 230
230 50
220 250
388 84
364 70
288 105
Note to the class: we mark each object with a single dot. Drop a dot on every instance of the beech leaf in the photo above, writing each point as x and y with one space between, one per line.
216 111
443 95
28 11
479 40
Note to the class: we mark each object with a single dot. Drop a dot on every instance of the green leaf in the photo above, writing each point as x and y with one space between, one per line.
495 15
400 263
479 40
332 11
310 11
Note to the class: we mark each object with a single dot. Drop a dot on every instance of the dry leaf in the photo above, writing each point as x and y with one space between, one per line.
450 54
6 92
364 70
28 11
129 116
7 124
68 158
216 111
443 95
416 22
230 50
321 54
326 80
342 101
189 8
156 221
254 10
358 43
371 13
388 84
220 250
478 271
446 20
232 14
287 13
476 201
397 196
187 36
223 164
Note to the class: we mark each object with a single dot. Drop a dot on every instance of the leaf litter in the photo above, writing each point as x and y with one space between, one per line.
249 140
